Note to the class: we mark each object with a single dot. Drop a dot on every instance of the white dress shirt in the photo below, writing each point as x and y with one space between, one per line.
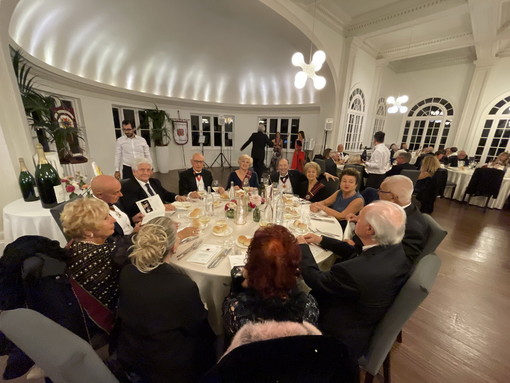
200 182
127 149
285 186
122 219
380 161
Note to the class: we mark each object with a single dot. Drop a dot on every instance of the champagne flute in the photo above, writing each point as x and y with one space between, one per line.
215 185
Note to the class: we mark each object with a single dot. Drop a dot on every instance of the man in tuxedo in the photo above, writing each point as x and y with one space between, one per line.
195 178
355 294
259 140
288 179
403 159
108 189
143 186
342 157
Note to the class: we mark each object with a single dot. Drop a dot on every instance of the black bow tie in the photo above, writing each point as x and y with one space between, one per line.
284 178
198 174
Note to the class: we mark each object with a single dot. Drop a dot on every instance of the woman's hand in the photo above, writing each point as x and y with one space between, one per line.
181 198
312 238
187 232
314 207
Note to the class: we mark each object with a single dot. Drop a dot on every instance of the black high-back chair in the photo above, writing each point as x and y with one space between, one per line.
485 182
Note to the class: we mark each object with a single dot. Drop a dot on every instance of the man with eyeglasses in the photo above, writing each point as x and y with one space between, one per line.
128 147
195 179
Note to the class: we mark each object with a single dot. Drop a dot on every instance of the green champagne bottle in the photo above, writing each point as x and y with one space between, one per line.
27 183
48 182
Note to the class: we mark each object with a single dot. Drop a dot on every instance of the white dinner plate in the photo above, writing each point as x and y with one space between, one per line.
240 244
225 233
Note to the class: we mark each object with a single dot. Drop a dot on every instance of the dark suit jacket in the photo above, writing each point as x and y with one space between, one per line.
415 237
295 177
164 334
259 141
331 167
397 169
188 183
355 294
133 192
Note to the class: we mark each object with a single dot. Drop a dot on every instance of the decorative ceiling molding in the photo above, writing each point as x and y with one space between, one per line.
370 21
457 40
430 62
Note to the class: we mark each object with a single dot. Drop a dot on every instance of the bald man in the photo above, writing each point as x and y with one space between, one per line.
195 178
108 189
355 294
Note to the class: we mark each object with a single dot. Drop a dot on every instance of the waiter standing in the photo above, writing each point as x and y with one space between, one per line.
129 147
258 150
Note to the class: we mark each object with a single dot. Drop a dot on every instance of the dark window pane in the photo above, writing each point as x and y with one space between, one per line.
217 126
228 142
194 123
273 124
295 125
284 127
194 138
207 136
116 118
129 114
206 125
145 134
217 139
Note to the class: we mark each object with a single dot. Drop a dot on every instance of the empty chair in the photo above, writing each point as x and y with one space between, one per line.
411 174
414 291
485 182
64 357
435 236
292 359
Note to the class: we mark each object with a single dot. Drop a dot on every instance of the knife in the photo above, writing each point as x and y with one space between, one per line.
195 245
189 239
322 219
217 260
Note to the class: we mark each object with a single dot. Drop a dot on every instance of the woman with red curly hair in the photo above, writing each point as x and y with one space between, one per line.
267 288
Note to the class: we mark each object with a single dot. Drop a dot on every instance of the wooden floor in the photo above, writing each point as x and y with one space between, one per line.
461 332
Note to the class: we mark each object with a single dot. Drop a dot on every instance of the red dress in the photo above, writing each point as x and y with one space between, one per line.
298 159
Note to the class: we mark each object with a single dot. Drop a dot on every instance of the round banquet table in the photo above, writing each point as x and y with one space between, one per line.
214 283
462 176
29 218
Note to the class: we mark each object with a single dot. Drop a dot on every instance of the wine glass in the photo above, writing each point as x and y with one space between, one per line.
215 185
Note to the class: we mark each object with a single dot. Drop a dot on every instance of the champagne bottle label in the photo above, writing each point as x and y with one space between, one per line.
60 193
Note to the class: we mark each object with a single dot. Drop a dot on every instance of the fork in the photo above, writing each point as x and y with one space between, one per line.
193 247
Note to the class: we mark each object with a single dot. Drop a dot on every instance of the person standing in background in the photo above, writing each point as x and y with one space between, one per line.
277 151
298 159
128 148
258 150
379 163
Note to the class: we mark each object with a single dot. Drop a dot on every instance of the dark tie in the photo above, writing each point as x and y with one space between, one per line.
149 189
198 176
284 179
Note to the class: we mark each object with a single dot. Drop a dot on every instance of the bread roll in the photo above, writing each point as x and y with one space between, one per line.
244 240
219 229
195 213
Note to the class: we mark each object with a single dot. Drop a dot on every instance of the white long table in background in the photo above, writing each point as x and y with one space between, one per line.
214 284
462 177
30 218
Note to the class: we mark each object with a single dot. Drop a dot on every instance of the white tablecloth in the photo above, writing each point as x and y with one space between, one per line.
29 218
462 177
214 284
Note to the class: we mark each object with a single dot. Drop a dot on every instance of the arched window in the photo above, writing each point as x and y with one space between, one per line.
355 117
428 124
496 132
380 116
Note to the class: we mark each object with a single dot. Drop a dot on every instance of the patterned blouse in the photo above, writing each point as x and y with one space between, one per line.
248 306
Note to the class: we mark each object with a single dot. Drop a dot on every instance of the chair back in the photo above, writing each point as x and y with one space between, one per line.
435 236
64 357
331 186
55 212
414 291
485 182
411 174
302 358
322 164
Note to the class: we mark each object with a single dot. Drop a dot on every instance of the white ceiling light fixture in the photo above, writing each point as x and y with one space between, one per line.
308 70
397 105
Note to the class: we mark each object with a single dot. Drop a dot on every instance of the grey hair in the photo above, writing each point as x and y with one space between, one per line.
152 243
401 186
139 161
388 221
405 155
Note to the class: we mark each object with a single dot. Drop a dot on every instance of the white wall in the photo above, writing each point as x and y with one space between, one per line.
450 83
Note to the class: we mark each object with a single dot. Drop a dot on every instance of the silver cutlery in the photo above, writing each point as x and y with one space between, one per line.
218 258
193 247
189 239
324 232
322 219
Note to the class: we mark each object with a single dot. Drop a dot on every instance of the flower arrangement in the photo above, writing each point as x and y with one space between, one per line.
230 208
255 201
75 186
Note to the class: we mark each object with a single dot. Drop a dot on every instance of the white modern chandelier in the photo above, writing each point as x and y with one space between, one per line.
397 105
308 70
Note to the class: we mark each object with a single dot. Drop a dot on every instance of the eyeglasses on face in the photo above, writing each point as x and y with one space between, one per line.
383 191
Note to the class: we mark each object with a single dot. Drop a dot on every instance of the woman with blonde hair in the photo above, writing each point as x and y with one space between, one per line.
93 262
164 334
312 189
500 162
243 176
427 186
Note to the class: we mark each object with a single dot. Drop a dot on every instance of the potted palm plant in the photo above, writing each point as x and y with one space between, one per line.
38 110
159 123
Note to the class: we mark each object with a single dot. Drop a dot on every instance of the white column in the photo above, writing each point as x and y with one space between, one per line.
368 128
467 126
15 140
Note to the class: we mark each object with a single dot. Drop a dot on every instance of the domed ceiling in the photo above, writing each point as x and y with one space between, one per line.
203 50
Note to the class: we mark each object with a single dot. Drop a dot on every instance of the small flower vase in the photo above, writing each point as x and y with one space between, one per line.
230 213
256 214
